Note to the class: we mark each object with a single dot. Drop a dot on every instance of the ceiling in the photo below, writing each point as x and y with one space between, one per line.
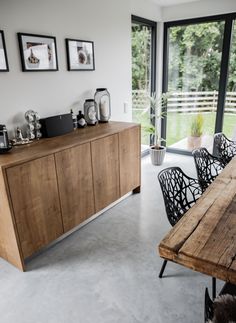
166 3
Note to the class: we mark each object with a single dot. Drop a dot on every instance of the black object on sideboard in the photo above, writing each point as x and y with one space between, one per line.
56 125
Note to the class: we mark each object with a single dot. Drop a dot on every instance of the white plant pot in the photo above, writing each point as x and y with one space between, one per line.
194 142
157 155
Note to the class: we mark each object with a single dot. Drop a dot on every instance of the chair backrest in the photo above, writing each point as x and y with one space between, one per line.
180 192
222 309
225 148
208 166
208 308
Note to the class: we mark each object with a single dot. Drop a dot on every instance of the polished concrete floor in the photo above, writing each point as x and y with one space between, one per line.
107 272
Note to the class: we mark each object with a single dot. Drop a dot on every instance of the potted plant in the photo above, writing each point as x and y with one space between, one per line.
157 112
196 130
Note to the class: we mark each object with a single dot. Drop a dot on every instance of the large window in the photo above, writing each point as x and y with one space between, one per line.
143 72
229 124
196 56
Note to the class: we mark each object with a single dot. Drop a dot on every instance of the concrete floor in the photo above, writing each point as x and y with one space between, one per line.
107 272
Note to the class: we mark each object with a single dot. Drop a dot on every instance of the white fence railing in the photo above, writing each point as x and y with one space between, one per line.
140 99
205 101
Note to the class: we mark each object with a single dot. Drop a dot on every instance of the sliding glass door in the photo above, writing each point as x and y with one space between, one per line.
229 124
143 73
195 72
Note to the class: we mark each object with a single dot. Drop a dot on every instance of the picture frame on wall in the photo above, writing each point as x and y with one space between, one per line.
3 54
38 52
80 55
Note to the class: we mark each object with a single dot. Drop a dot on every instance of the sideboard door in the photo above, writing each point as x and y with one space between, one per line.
130 163
105 161
74 171
35 201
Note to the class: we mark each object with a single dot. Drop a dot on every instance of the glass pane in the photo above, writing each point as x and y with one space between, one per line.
141 77
229 125
193 79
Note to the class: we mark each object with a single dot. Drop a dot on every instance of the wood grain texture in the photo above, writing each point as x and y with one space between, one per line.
47 146
205 238
105 163
35 200
10 248
74 171
30 187
130 159
230 169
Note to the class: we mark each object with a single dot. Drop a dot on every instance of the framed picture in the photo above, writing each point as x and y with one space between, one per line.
80 55
38 52
3 54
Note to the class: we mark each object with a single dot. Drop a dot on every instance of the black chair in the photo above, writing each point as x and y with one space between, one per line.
208 308
208 166
225 148
180 193
223 308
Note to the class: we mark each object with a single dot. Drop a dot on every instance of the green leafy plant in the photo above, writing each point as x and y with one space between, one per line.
157 110
197 126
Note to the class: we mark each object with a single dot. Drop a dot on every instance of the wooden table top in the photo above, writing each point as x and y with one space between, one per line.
205 237
46 146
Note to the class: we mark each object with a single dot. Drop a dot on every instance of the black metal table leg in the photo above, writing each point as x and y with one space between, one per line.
213 288
163 268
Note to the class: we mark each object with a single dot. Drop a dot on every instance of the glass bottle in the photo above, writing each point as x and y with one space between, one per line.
81 123
74 119
102 99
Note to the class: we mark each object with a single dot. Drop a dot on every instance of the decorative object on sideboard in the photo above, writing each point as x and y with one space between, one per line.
102 99
80 55
4 141
38 52
90 112
33 126
74 119
3 57
19 136
19 139
57 125
81 123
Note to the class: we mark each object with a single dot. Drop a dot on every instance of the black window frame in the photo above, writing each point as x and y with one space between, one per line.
229 19
153 25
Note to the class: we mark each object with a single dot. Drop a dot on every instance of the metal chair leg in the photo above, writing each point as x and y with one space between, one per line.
162 268
213 288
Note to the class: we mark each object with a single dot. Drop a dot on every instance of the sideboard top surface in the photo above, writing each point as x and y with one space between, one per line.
46 146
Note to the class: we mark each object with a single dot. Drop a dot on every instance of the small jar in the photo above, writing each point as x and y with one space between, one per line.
4 141
102 99
90 112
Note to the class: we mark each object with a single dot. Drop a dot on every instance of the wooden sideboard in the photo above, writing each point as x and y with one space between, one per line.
49 187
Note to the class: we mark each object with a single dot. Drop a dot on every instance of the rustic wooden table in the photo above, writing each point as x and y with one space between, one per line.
205 238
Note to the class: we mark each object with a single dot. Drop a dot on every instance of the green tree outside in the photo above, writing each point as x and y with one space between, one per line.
195 53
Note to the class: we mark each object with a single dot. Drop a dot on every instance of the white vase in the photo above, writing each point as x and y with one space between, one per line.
157 155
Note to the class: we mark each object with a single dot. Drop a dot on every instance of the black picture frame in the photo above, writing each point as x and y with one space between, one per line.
38 52
4 67
80 55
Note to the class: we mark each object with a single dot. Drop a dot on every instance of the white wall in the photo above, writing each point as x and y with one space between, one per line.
146 9
106 22
198 9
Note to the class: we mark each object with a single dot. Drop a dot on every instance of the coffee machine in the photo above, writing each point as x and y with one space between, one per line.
4 141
